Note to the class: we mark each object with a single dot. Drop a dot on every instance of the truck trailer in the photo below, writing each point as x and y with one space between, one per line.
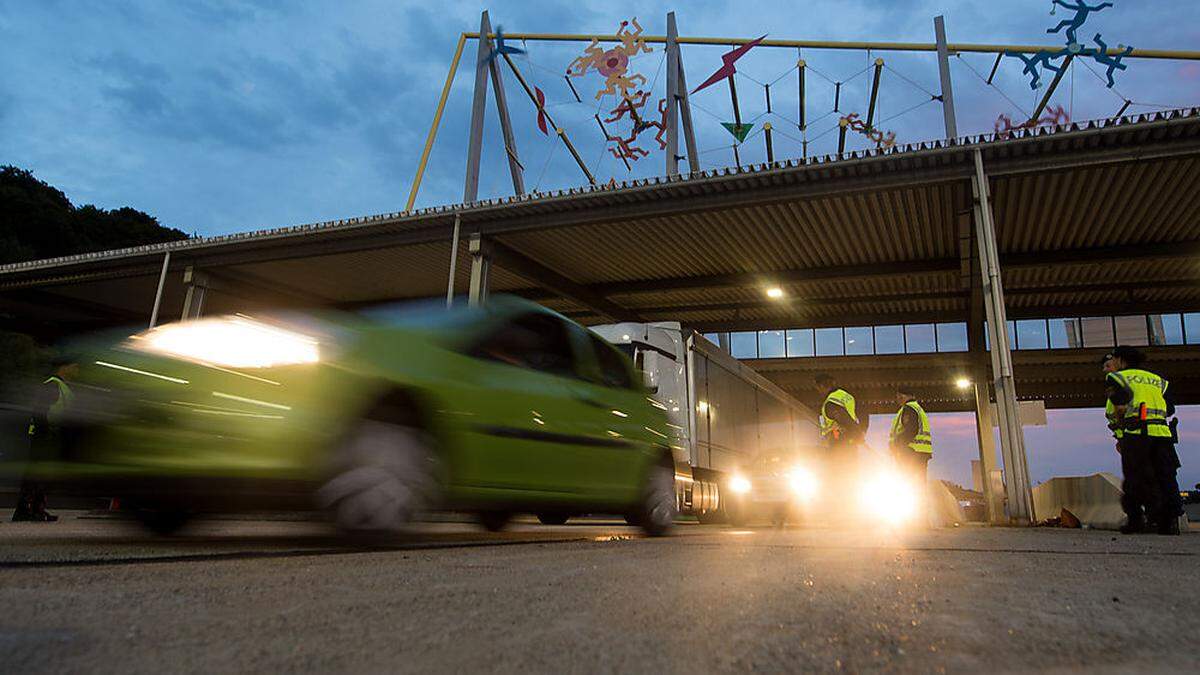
743 447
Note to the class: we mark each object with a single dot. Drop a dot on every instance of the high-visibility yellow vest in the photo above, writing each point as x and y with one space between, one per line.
923 441
839 397
55 412
1147 410
1114 421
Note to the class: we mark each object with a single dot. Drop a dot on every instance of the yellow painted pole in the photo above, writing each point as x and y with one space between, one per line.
826 44
437 120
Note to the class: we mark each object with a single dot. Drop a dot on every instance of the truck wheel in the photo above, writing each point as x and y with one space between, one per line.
735 512
656 512
494 521
384 476
552 518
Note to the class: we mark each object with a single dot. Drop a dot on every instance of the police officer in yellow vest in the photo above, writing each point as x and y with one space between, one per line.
50 403
1148 459
909 438
842 434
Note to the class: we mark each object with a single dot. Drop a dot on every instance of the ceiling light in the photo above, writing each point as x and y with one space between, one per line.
775 292
962 383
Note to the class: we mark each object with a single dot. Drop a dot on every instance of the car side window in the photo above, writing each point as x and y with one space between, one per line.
613 370
535 341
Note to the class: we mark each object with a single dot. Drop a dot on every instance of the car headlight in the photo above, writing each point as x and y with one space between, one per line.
803 483
229 341
891 497
739 484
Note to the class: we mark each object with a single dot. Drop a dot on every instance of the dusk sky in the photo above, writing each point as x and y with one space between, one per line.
220 117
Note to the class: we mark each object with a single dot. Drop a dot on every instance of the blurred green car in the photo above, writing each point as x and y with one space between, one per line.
376 417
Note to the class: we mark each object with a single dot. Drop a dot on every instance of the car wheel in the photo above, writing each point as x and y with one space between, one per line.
494 521
656 512
162 521
552 518
384 477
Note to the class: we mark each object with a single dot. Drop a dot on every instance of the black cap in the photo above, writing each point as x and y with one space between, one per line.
1129 355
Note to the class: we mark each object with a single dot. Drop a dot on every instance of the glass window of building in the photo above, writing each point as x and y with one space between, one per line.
859 341
1031 334
1191 328
1131 330
952 337
919 338
829 342
714 338
770 344
1097 331
1065 334
889 339
1166 329
743 345
800 342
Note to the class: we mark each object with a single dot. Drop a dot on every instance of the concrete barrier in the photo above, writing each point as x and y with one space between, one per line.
1095 500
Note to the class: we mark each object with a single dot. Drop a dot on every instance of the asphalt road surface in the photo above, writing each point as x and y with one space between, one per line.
268 596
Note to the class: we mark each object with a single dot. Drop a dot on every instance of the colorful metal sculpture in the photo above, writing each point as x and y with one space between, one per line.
613 64
854 123
1053 117
728 60
1049 59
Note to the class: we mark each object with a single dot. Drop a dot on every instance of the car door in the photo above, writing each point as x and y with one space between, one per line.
524 418
614 427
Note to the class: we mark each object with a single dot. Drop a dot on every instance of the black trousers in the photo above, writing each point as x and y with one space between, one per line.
1166 464
914 464
1141 497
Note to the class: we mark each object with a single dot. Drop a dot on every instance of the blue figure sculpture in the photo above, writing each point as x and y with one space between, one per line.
502 48
1046 59
1110 61
1082 10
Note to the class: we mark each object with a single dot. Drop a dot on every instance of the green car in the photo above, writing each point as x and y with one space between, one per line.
376 417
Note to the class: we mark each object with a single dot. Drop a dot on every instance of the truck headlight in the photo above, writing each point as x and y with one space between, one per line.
803 483
739 484
229 341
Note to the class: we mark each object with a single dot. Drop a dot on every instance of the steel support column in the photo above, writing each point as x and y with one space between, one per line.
943 52
478 105
481 266
672 153
197 285
162 280
510 141
453 260
1012 437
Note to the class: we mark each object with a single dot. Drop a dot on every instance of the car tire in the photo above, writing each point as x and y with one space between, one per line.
162 521
384 477
553 518
494 521
656 512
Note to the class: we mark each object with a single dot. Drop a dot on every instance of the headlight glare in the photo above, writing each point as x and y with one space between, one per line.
229 341
739 484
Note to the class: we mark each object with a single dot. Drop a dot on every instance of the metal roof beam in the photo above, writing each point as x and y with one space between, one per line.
528 268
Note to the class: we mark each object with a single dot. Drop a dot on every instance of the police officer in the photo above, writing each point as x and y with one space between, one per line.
909 438
1148 458
50 402
842 433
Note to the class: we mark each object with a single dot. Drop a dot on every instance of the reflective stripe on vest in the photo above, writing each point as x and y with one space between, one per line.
55 412
841 398
923 441
1114 422
1148 390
